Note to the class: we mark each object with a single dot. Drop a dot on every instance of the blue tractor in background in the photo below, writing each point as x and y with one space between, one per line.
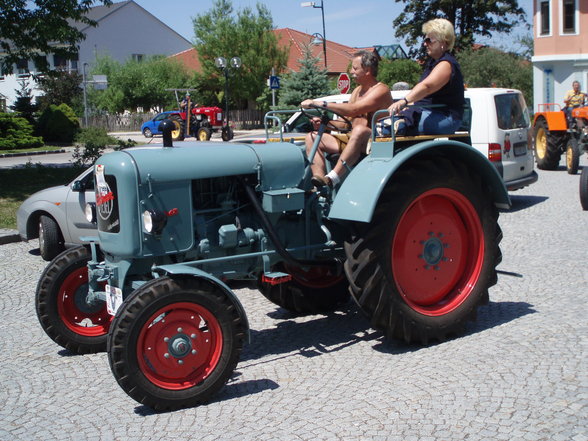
411 235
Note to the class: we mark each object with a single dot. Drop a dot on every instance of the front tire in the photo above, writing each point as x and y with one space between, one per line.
548 146
50 242
147 133
204 134
175 343
226 133
584 188
61 304
424 264
311 291
572 156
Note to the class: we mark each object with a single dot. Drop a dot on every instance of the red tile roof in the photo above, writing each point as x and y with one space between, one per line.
338 55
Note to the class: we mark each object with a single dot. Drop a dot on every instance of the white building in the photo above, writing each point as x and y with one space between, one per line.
125 30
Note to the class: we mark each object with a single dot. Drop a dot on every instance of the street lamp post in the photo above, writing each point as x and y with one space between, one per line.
85 94
314 5
221 63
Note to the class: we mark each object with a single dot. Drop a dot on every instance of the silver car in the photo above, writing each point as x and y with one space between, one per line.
56 215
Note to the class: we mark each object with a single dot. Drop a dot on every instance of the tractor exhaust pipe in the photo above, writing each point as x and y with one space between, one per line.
166 127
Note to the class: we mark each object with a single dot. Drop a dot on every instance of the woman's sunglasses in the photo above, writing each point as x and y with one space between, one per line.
428 40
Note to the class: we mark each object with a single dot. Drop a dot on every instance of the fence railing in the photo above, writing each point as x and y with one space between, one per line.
240 119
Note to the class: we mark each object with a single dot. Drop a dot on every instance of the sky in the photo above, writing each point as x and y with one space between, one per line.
355 23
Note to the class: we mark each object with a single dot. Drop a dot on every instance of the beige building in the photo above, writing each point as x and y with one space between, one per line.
560 35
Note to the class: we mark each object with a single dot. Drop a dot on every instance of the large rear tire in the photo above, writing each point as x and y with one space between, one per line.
179 128
584 188
61 304
572 155
549 146
311 291
424 264
175 343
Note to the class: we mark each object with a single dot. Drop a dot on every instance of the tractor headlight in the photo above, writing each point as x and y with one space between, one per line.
154 222
90 212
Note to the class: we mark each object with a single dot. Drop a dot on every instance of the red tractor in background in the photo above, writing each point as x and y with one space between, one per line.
200 122
556 134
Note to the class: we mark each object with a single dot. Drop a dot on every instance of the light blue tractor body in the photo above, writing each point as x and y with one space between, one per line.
411 234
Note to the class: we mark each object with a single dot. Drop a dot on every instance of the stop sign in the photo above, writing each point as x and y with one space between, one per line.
343 83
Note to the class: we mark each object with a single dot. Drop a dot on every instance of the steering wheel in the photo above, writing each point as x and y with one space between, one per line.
326 120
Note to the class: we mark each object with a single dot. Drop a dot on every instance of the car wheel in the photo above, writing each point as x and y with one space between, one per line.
147 132
50 242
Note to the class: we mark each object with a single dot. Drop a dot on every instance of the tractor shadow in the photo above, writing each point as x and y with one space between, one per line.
349 326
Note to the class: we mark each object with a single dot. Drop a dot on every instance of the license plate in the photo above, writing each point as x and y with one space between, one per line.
114 299
520 148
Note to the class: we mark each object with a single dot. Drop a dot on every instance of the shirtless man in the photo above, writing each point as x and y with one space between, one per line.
366 98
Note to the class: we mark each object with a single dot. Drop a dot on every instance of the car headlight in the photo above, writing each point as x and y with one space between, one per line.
90 212
154 222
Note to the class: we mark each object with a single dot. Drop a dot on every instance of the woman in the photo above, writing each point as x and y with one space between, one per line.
441 87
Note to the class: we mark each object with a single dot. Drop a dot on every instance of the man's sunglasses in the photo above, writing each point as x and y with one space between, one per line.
428 40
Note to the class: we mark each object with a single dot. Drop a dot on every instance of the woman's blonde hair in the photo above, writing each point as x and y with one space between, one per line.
441 28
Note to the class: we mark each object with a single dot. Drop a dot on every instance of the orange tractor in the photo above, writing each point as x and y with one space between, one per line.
555 134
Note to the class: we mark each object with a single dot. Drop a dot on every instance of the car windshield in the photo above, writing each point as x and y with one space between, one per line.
511 111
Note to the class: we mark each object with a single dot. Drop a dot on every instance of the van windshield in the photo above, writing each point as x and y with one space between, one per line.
511 111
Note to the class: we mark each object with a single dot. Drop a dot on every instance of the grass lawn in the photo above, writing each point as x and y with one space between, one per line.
18 184
45 148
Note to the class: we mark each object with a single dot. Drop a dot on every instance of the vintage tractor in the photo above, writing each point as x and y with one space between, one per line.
192 120
411 234
556 134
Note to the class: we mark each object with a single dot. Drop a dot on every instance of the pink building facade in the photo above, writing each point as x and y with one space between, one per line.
560 34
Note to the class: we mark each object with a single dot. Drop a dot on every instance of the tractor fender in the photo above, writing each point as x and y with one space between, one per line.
357 198
175 270
556 120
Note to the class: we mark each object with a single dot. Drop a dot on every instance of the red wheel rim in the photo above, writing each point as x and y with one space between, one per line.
438 252
179 346
317 277
83 319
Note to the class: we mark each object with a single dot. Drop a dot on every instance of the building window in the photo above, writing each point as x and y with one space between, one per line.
138 57
569 16
545 22
22 68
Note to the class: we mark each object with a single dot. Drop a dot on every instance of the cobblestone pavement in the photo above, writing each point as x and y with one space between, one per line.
520 372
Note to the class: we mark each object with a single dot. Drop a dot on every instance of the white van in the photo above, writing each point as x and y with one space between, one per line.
498 121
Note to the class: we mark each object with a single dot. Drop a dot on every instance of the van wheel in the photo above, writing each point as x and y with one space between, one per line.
424 264
584 188
572 156
548 146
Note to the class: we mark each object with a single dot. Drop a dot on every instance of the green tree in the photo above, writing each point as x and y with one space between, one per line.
30 27
138 84
23 104
393 71
61 87
309 82
470 17
246 34
508 70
